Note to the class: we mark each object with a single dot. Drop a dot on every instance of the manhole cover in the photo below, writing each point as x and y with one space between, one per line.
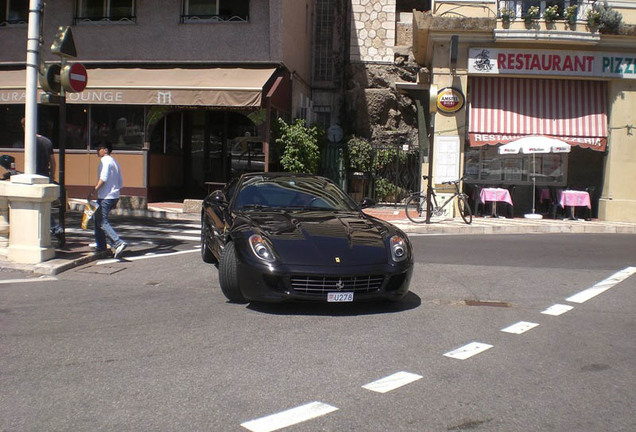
101 269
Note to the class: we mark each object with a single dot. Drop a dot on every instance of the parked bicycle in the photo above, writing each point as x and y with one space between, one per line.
416 204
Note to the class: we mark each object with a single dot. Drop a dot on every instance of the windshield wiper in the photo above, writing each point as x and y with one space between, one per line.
253 207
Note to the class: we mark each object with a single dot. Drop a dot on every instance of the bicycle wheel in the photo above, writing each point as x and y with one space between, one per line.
416 208
464 209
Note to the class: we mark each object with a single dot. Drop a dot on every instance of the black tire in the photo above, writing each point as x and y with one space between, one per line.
464 209
228 275
416 208
206 253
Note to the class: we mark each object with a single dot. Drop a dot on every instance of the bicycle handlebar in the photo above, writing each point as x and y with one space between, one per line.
448 182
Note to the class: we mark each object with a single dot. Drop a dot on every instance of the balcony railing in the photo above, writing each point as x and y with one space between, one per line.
518 9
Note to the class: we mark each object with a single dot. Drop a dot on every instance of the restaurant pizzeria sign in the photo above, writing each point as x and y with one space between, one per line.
493 61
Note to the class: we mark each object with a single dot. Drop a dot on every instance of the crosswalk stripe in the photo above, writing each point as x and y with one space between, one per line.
392 382
467 351
602 286
290 417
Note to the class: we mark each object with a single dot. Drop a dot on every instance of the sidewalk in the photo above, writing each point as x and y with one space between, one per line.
77 251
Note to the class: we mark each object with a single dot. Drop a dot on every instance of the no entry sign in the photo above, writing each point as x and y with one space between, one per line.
74 77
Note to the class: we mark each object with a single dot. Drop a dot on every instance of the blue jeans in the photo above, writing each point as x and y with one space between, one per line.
103 231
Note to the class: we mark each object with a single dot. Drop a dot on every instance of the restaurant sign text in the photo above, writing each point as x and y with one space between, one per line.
494 61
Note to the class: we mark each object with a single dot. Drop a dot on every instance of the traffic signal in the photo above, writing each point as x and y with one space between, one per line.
50 81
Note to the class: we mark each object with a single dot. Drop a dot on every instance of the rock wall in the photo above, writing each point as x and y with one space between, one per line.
374 108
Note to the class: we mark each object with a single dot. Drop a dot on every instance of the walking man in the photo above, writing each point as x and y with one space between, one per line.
108 187
45 166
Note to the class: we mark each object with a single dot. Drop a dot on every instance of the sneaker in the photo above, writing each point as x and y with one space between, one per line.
61 239
120 249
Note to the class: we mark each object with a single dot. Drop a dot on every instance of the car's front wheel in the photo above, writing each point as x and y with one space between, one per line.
228 275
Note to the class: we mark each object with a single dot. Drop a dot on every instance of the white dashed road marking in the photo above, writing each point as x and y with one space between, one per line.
468 351
392 382
557 309
290 417
520 327
147 256
602 286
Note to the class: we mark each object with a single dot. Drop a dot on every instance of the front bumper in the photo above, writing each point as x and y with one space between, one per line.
310 283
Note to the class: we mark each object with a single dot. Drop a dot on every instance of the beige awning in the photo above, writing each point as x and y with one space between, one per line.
223 87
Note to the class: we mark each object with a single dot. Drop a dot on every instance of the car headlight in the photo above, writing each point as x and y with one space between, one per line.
398 248
261 248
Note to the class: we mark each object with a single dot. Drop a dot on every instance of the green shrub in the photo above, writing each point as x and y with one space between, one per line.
358 155
298 147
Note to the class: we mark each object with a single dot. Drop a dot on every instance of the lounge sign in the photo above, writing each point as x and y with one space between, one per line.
493 61
450 100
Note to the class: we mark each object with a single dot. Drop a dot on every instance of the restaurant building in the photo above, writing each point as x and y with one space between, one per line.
185 91
522 77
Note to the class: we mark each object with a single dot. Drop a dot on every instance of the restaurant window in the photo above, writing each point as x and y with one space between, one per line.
484 165
166 134
14 12
11 132
122 126
77 134
215 11
105 10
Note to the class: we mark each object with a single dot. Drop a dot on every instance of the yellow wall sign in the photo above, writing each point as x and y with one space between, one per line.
450 100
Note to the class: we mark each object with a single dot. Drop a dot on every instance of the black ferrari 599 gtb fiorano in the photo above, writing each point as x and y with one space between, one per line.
283 236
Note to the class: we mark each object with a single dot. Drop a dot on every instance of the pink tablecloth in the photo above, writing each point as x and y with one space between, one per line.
575 199
495 194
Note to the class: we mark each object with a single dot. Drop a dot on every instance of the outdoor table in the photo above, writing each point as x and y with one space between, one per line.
574 198
493 195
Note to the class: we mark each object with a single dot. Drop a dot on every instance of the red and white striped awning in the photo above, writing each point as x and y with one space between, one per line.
505 109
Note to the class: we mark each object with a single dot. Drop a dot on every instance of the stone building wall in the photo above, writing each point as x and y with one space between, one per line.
372 30
374 108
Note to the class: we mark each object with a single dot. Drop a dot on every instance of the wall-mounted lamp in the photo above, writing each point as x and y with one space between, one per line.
452 56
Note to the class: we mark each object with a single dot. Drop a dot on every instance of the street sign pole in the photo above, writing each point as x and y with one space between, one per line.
62 155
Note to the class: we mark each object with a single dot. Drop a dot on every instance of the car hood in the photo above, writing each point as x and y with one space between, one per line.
322 237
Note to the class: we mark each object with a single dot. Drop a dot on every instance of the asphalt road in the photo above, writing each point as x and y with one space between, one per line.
151 344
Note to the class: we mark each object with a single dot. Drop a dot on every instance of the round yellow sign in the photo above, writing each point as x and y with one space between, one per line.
450 100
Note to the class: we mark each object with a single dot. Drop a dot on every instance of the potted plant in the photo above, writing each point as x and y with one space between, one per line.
570 14
532 14
551 13
507 15
593 18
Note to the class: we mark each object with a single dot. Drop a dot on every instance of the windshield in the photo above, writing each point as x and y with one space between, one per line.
293 193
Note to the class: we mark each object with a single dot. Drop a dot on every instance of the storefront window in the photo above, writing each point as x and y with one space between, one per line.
123 126
485 165
11 133
166 134
77 127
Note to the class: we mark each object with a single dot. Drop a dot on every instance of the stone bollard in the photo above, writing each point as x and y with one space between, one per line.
29 199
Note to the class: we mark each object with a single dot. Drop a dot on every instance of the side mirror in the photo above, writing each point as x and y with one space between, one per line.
217 198
367 202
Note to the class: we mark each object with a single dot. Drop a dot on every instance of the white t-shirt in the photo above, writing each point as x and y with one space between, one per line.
109 172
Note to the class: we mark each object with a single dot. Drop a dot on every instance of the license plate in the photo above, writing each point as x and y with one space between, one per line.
337 297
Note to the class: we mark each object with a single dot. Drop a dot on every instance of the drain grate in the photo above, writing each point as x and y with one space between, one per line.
491 303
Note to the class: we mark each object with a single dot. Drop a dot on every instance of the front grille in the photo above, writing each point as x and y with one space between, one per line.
311 284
